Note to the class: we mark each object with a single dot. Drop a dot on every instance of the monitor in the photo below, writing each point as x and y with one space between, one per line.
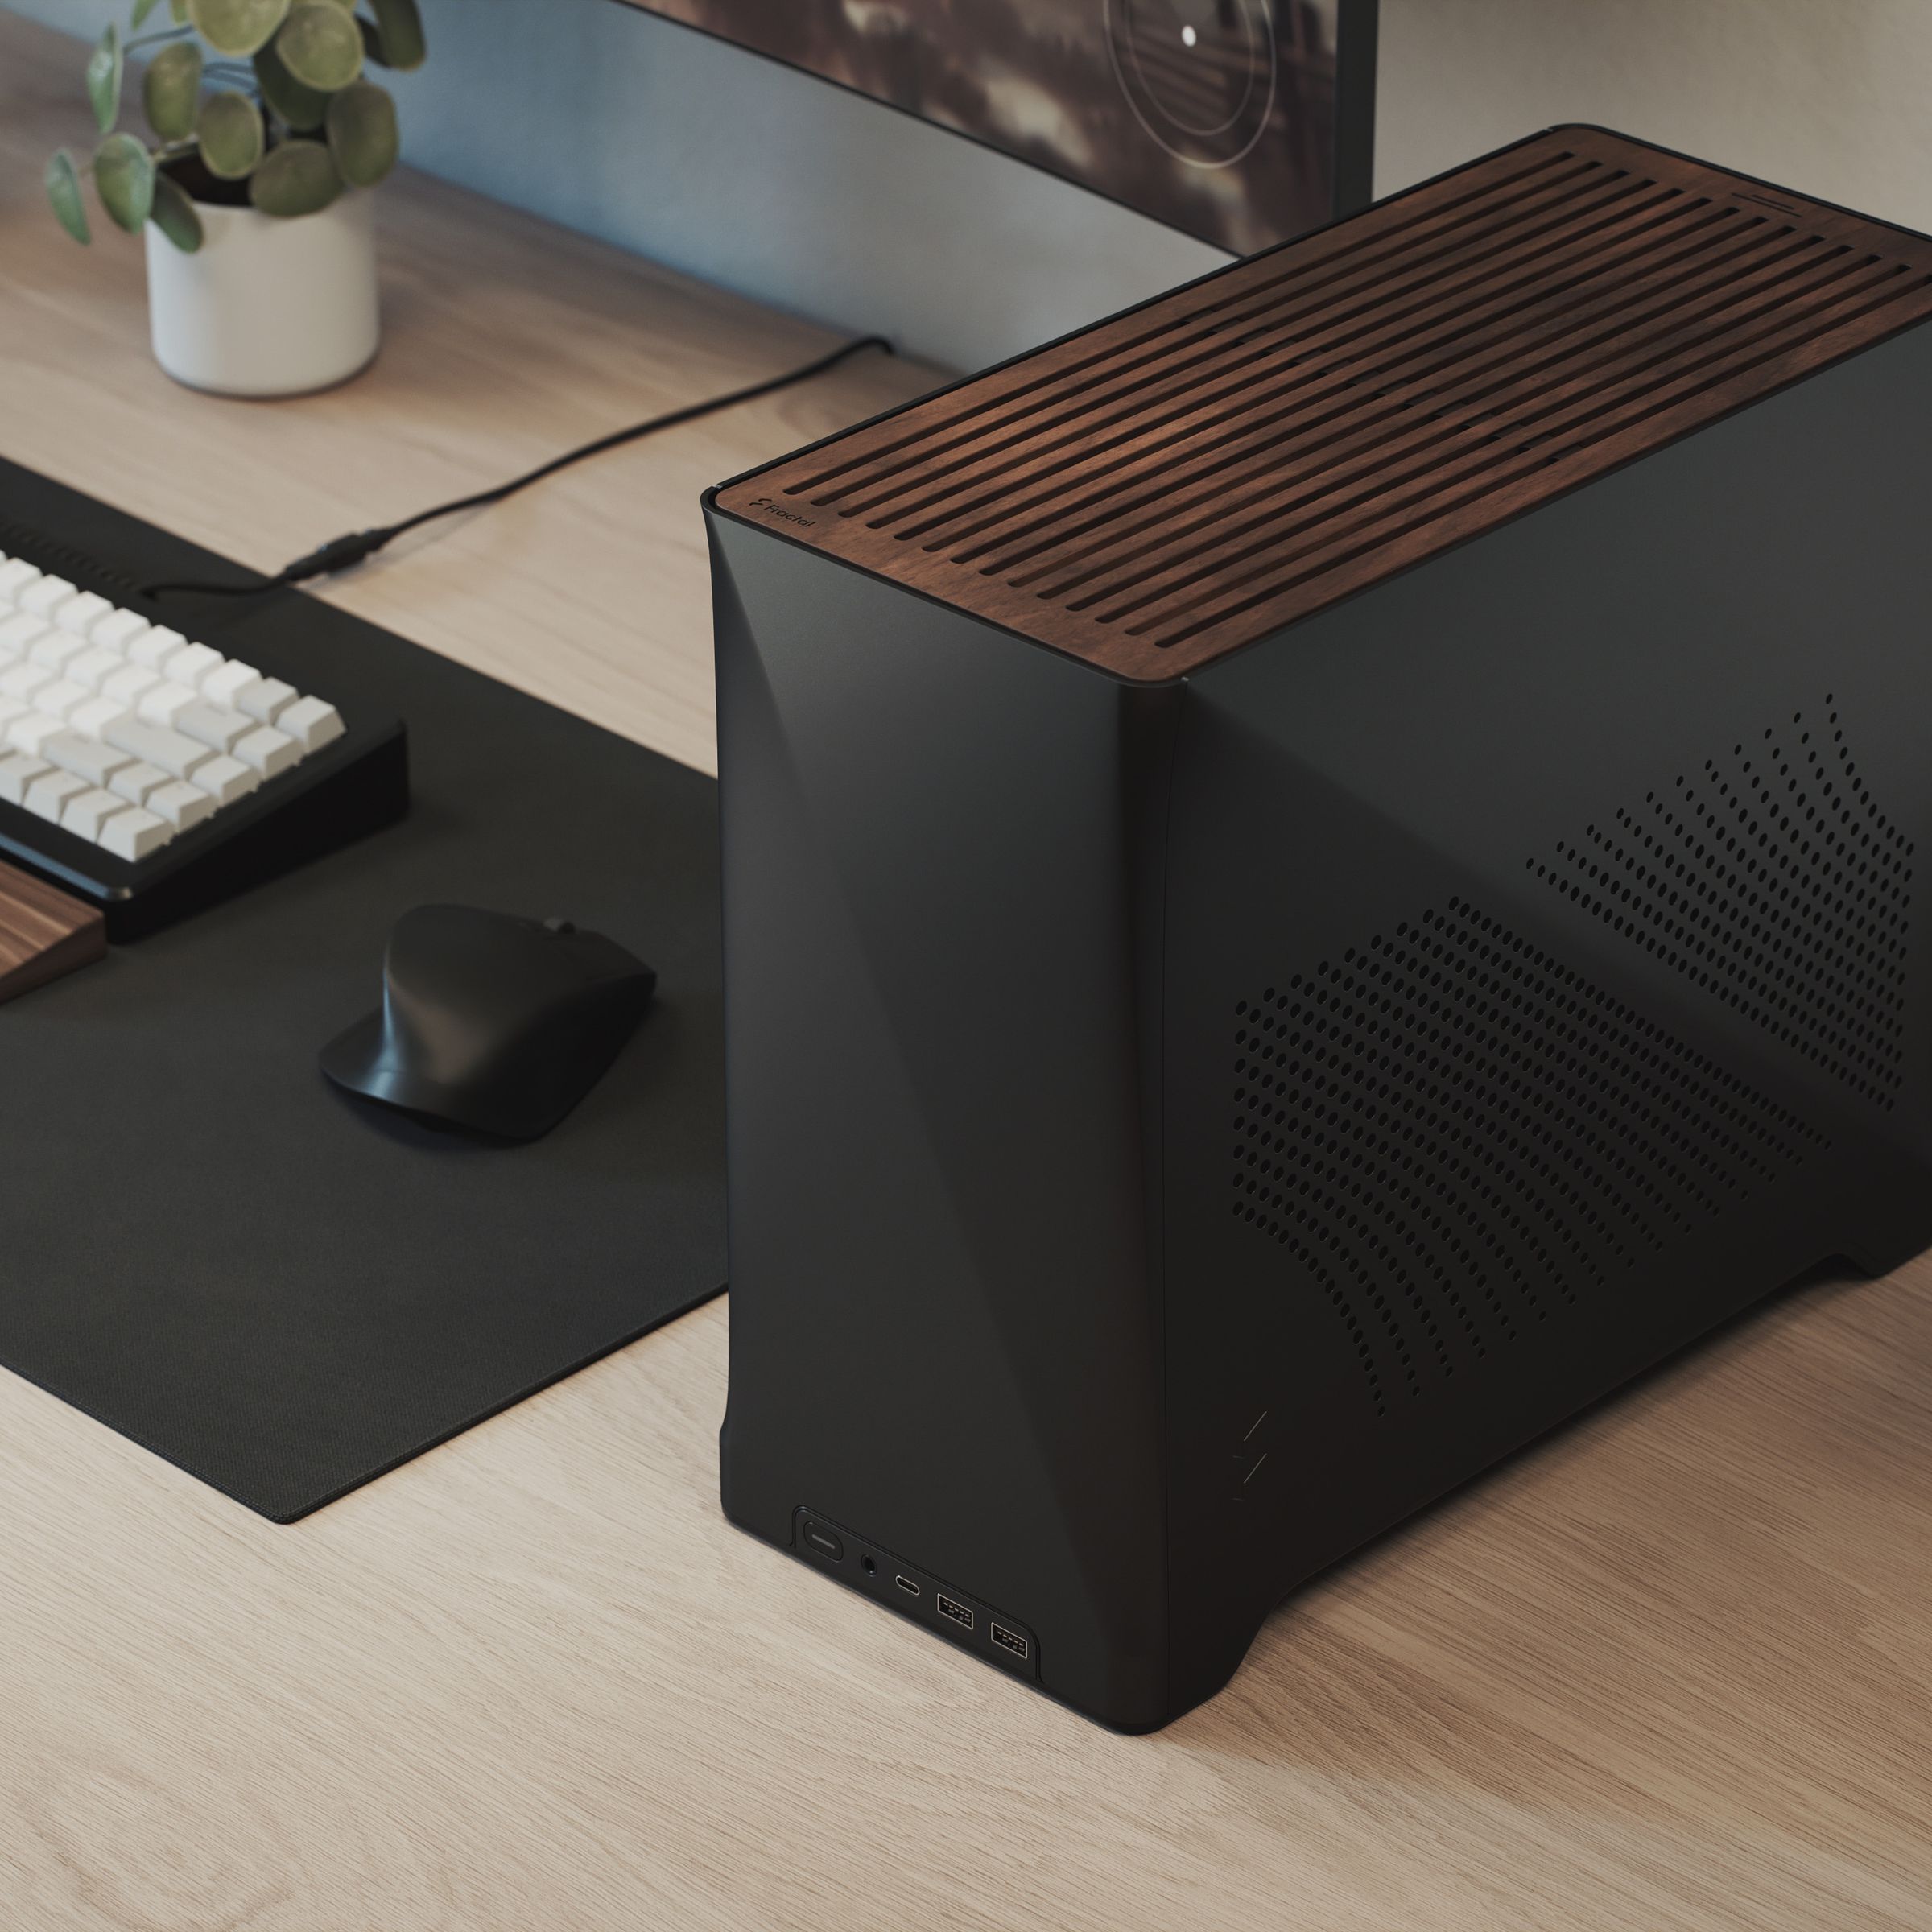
1241 121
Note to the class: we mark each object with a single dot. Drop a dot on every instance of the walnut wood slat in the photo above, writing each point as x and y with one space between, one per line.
1184 479
43 933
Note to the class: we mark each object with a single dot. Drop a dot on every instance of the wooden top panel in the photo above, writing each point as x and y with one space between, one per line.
1171 485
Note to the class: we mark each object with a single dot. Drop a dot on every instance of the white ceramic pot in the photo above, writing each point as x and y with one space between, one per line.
267 307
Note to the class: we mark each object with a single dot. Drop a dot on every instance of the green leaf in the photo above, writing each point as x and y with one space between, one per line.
63 192
362 132
124 178
104 78
237 26
296 178
174 214
178 12
230 132
394 38
319 44
171 88
301 107
143 9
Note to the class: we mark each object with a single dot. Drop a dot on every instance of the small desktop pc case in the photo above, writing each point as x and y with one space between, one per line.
1315 876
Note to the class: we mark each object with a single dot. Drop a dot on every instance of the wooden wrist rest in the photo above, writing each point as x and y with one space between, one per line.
43 933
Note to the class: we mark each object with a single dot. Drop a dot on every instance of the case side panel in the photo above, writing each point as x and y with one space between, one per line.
1548 976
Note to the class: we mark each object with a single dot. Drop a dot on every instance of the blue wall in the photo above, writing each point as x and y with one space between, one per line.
748 174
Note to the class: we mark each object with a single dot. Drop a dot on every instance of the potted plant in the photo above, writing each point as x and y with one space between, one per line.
261 251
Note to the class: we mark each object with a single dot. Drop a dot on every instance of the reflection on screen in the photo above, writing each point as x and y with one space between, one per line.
1215 116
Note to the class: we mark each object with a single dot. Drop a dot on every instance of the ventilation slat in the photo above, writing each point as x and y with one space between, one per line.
1284 416
1597 416
1491 377
1322 331
1282 407
1465 506
1112 345
1228 459
1473 418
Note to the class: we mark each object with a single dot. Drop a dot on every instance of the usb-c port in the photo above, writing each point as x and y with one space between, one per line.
906 1585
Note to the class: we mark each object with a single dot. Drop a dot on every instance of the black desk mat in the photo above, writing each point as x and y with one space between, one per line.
287 1292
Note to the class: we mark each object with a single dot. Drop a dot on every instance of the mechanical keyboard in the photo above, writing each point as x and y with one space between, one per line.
149 775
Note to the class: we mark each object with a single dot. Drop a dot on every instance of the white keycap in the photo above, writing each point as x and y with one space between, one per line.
22 681
88 812
225 779
47 795
18 632
135 782
94 666
129 733
95 715
117 632
86 757
176 755
219 686
18 771
60 697
42 598
191 664
270 751
182 805
56 649
159 702
133 835
157 643
128 682
218 729
82 612
310 722
29 733
265 702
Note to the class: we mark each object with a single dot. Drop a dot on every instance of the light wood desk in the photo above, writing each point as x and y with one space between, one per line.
1672 1670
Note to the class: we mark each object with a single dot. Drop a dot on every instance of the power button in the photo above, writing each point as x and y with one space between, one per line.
821 1539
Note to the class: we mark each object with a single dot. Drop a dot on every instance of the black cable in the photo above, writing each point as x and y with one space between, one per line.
341 552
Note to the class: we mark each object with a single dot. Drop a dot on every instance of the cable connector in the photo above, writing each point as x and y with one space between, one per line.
339 553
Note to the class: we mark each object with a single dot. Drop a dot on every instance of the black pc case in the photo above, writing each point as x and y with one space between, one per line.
1315 877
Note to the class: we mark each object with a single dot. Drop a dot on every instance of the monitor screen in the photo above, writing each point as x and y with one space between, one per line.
1223 118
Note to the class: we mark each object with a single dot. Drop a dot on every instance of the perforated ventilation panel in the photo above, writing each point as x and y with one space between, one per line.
1457 1139
1770 878
1189 476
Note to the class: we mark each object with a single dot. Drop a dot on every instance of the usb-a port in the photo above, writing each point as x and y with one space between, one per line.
1010 1640
959 1612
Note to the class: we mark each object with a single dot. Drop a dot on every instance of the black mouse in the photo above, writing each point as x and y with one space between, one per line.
490 1022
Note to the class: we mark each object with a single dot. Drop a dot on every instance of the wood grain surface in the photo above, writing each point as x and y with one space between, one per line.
1184 479
1670 1670
44 933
